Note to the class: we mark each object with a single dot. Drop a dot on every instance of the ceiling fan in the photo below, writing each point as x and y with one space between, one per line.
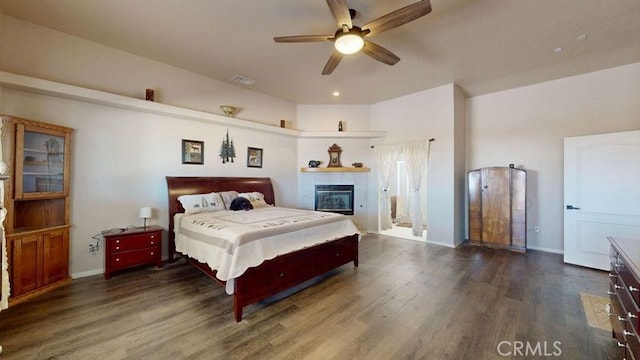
350 39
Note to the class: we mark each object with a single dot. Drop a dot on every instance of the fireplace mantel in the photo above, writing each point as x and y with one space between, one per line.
334 169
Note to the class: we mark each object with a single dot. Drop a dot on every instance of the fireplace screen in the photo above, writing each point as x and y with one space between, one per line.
335 198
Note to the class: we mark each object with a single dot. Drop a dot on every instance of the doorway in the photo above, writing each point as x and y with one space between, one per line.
406 166
400 195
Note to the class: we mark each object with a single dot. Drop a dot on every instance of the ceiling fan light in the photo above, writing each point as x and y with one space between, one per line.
349 43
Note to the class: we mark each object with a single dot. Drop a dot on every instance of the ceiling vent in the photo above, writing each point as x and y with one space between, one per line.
242 79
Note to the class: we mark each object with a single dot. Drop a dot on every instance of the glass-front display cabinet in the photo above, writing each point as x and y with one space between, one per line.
41 162
37 199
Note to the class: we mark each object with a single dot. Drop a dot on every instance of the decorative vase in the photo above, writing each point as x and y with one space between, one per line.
228 110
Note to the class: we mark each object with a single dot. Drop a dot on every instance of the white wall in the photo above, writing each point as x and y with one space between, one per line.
117 150
325 118
420 116
120 159
36 51
526 127
459 185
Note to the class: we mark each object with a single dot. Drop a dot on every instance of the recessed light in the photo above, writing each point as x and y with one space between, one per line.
336 93
581 37
557 50
242 79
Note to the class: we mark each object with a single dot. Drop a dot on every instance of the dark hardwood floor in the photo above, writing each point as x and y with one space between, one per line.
406 300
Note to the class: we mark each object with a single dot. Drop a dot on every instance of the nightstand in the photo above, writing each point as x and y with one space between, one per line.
131 248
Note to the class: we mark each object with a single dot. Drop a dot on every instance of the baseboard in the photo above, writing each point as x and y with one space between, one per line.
99 271
536 248
87 273
544 249
445 244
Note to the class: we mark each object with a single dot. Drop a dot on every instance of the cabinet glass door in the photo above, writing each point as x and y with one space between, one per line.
42 163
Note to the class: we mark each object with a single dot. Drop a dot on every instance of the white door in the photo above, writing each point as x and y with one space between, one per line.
601 195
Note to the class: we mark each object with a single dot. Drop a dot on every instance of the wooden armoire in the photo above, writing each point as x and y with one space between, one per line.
498 207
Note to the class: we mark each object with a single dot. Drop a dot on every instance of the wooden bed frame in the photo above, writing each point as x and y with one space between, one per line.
272 276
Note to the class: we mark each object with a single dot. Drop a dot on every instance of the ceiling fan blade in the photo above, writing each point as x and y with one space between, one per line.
340 11
379 53
302 38
399 17
333 61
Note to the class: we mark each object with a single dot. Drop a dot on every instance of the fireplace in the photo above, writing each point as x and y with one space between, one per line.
335 198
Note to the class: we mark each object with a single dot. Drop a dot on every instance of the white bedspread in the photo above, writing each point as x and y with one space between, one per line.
233 241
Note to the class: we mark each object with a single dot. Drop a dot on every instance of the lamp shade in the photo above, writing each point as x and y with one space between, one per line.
145 212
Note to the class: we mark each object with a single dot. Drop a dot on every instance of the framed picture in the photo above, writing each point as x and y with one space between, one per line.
254 157
192 152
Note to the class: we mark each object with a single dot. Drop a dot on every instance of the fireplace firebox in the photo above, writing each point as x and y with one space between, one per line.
335 198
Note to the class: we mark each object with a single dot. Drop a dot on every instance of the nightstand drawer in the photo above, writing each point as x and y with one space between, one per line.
133 258
134 242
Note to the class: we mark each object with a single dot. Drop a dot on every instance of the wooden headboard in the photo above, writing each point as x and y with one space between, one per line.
202 185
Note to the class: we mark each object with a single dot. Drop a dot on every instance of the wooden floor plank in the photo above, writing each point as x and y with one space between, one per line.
406 300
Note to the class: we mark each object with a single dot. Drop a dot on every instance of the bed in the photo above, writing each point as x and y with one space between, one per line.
273 275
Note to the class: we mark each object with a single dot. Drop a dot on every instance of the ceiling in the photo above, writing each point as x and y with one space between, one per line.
482 45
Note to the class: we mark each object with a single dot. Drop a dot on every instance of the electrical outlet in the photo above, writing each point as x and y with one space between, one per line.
94 247
536 228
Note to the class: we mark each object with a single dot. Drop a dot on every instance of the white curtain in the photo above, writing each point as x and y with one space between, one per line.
4 264
4 268
416 156
386 158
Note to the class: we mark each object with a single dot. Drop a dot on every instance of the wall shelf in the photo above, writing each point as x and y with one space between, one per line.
52 88
335 169
343 134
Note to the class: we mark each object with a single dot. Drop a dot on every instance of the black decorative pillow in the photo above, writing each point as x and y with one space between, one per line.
240 203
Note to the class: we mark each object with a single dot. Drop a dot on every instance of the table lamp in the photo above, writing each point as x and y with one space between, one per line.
145 213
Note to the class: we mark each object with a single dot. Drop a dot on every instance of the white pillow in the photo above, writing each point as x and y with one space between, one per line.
197 203
227 198
255 198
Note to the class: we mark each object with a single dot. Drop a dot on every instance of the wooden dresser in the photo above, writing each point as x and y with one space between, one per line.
131 248
624 293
